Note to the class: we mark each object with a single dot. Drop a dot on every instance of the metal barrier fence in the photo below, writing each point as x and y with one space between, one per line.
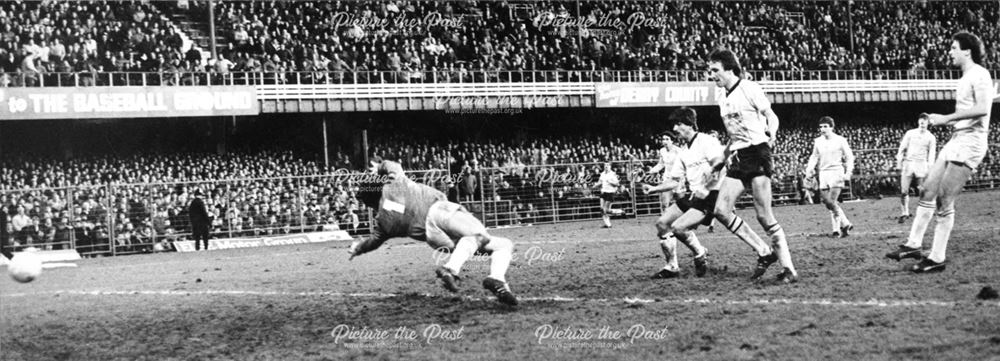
199 78
116 219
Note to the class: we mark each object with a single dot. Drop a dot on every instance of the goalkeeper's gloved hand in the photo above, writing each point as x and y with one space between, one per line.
353 250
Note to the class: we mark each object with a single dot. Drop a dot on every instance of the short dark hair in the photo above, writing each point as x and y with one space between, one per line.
971 42
827 120
684 115
727 59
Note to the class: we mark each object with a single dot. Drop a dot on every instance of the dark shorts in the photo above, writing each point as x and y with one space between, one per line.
610 197
706 206
751 162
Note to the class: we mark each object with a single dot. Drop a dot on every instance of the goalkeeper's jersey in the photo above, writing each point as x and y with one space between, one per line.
402 211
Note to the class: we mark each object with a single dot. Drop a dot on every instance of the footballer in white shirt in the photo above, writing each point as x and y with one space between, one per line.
695 181
915 155
833 157
958 158
752 126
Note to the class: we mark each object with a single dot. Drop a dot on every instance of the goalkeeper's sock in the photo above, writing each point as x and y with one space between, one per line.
920 221
942 232
503 253
464 250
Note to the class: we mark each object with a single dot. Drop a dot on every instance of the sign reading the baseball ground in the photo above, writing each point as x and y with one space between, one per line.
612 95
126 102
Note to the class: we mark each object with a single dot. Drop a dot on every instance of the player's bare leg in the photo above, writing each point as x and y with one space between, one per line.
682 228
841 225
724 211
765 215
474 237
952 182
666 199
606 213
905 181
922 216
668 243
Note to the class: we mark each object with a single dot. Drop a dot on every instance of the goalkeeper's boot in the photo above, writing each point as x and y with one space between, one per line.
448 279
501 290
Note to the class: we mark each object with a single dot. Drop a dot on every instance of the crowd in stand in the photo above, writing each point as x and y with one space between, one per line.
422 41
617 35
141 196
141 199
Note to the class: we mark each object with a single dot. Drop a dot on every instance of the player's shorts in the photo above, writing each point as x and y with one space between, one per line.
438 225
751 162
964 149
706 206
914 168
608 197
831 179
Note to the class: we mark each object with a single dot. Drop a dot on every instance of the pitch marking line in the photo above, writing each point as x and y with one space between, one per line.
626 300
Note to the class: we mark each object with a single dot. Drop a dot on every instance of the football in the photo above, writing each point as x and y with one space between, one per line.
25 267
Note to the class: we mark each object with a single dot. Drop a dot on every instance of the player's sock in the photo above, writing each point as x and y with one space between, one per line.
669 246
690 240
464 249
503 253
904 201
942 232
743 231
781 246
607 220
842 217
834 222
920 221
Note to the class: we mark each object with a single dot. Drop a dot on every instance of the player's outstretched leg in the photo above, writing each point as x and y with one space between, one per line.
668 243
952 183
682 228
464 249
765 215
725 214
923 214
